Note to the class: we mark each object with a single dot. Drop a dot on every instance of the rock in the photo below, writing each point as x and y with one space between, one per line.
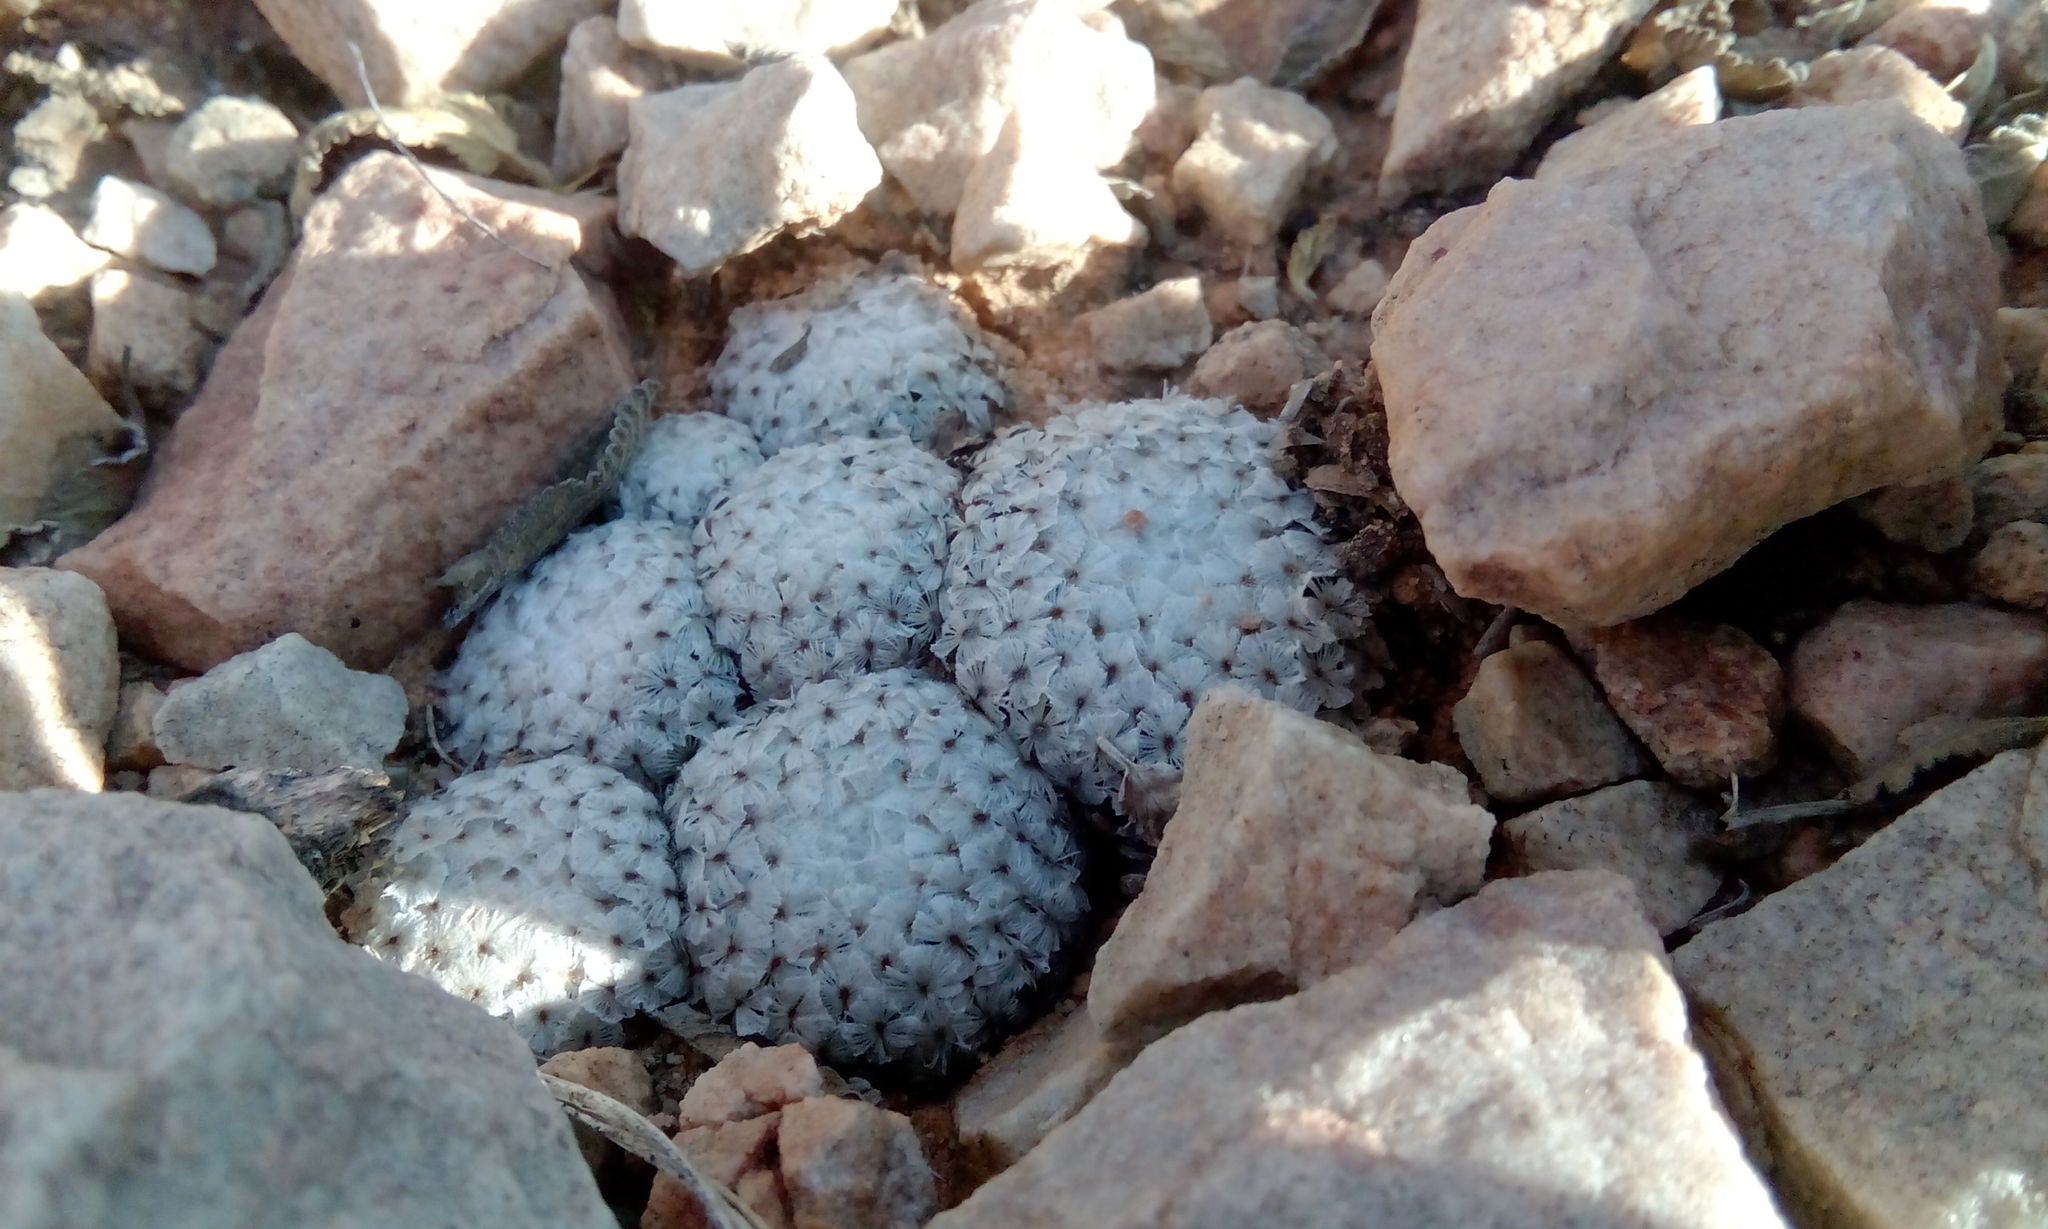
1689 98
414 52
933 107
1031 202
460 373
131 743
2013 566
1535 728
1281 42
2023 338
331 818
51 145
1259 296
601 76
739 1155
1255 149
60 677
1038 1080
618 1074
1361 289
172 782
1157 330
1519 1059
231 150
143 335
1253 365
1932 516
255 240
1297 851
1941 37
1881 1027
141 223
712 171
51 420
850 1165
749 1082
169 968
1870 671
1643 831
722 33
1704 698
290 704
2010 488
1870 74
1685 425
1482 77
40 255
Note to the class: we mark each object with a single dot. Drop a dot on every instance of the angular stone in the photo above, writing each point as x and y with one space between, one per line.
169 968
1482 77
1254 150
720 33
1038 1080
1297 852
40 255
1881 1027
414 52
1030 202
1255 364
1942 36
1932 516
601 76
1156 330
2010 488
933 107
460 374
51 420
1644 831
1282 42
712 171
1704 698
618 1074
1534 727
231 150
1361 289
850 1165
142 333
141 223
749 1082
1703 371
131 743
738 1155
2013 566
1871 74
290 704
60 679
1520 1059
53 144
1871 671
1689 98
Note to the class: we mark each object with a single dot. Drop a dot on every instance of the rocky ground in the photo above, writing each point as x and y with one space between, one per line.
1028 613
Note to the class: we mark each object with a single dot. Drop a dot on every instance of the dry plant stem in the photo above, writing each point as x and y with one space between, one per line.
624 1126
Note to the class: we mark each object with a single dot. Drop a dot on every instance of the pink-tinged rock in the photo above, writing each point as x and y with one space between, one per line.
739 1156
1644 831
601 76
751 1081
1155 330
1704 698
2010 488
2013 566
1255 364
1297 851
1520 1059
1869 74
1604 388
850 1165
1871 671
404 386
1482 77
1038 1080
1689 98
415 51
1941 36
1932 516
1535 727
618 1074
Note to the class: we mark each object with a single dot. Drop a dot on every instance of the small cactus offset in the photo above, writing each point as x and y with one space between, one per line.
688 462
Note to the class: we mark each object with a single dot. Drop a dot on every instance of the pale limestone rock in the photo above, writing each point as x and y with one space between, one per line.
1297 851
2013 566
459 372
232 150
1943 37
749 1082
415 51
1644 831
1156 330
2022 337
934 106
1255 364
141 223
601 75
1360 290
1703 370
2010 488
1030 202
1870 74
720 33
1534 727
712 171
1689 98
1255 148
1882 1025
1259 296
290 704
1871 671
40 255
131 744
618 1074
51 420
1282 42
143 333
850 1165
60 680
53 145
738 1155
1038 1080
1704 698
1483 76
1520 1059
1935 515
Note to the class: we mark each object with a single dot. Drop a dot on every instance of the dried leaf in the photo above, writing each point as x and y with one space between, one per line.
2003 164
94 493
629 1129
1972 87
331 818
1339 480
1930 744
1306 256
544 520
466 127
1319 44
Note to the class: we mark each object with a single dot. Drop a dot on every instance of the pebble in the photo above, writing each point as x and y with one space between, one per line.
52 143
1535 728
1482 77
60 678
2013 565
1644 831
1297 851
131 744
1689 98
1519 1059
1032 202
1361 289
1038 1080
137 221
1255 364
601 75
713 171
41 256
290 704
414 52
1704 698
2010 488
1255 148
429 340
749 1082
143 335
850 1165
618 1074
232 150
1156 330
1259 296
1871 670
51 420
1283 42
1881 1026
720 33
1870 74
1942 37
1934 516
1593 461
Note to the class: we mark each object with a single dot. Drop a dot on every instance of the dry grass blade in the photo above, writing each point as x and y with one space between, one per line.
626 1127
